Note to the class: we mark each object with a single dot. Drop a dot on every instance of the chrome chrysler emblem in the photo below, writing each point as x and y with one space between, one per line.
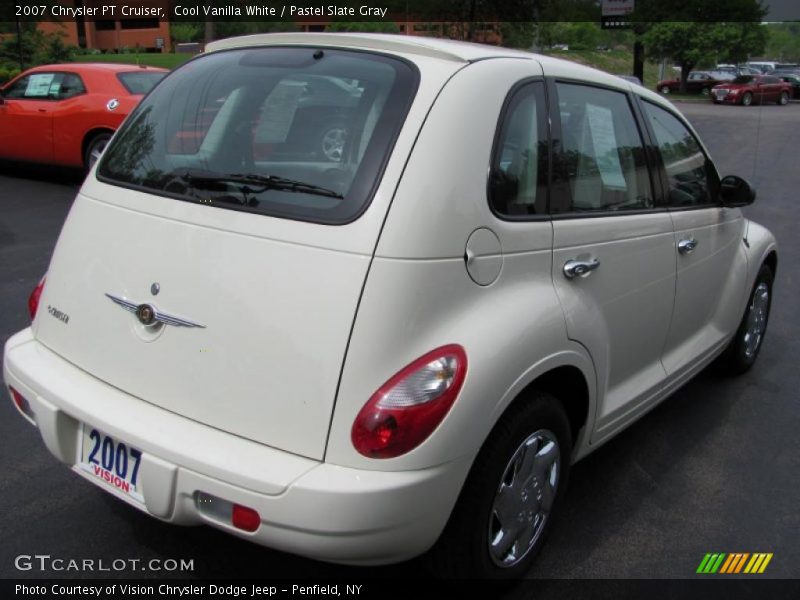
149 315
146 314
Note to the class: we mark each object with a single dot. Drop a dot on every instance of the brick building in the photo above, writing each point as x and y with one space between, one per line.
146 34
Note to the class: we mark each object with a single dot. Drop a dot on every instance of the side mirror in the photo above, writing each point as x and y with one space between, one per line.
735 191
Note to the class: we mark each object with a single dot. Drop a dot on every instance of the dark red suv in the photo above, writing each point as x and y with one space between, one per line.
750 89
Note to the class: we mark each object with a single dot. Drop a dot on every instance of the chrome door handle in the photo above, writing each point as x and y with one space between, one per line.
579 268
687 246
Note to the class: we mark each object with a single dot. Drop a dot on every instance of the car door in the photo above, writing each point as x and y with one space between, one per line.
613 248
26 117
72 118
711 267
693 83
775 87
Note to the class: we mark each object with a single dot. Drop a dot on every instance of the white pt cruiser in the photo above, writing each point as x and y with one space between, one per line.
360 297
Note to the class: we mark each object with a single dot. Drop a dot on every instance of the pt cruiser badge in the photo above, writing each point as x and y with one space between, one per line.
150 315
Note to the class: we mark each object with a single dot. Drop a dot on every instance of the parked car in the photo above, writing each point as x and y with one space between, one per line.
401 348
65 114
792 79
763 66
750 89
698 82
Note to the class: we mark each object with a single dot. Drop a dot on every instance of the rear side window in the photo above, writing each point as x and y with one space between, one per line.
518 177
600 164
298 133
139 82
690 177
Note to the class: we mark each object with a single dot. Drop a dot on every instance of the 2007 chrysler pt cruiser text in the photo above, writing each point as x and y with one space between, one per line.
361 297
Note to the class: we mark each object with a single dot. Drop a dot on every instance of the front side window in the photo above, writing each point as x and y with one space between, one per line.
518 176
690 178
299 133
45 86
600 164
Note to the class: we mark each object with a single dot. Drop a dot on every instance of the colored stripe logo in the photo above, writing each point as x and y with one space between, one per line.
737 562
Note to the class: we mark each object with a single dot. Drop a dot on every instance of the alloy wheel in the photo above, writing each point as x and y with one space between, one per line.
757 315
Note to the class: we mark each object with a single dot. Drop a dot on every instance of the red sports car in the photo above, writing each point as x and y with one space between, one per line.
65 114
749 89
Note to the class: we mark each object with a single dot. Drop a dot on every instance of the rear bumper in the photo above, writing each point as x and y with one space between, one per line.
310 508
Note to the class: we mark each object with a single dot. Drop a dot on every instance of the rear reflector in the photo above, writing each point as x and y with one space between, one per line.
245 518
22 404
225 511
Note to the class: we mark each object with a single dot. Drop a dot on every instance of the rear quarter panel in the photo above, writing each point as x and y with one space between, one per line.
419 296
77 117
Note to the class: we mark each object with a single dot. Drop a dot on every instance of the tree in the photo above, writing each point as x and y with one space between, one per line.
690 31
691 43
185 32
783 41
364 26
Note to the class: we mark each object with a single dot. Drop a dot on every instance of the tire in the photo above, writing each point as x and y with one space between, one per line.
784 99
747 99
94 148
332 141
742 352
665 90
480 541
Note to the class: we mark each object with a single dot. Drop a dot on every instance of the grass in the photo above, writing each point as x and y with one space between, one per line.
616 62
166 61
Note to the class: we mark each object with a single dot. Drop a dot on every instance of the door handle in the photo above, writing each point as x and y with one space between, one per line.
687 246
579 268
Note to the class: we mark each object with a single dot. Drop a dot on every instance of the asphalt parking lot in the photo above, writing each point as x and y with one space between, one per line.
716 468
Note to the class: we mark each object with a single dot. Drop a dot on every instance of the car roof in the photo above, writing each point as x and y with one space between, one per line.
401 44
96 67
443 49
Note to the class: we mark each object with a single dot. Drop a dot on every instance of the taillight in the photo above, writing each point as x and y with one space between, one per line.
33 299
407 408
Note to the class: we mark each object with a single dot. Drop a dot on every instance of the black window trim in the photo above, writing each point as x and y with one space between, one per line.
47 99
710 167
659 204
379 172
501 121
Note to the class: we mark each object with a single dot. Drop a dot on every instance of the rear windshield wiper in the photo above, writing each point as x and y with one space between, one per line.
265 182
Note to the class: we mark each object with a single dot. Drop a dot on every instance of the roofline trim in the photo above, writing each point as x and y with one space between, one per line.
337 40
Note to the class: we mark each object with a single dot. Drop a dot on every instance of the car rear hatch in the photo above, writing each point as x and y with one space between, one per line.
226 301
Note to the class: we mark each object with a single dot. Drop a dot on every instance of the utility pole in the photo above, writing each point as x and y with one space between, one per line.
19 46
638 59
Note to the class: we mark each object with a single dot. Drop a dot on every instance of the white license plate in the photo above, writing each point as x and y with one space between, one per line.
112 461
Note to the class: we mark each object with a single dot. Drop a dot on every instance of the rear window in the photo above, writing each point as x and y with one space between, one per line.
140 82
298 133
